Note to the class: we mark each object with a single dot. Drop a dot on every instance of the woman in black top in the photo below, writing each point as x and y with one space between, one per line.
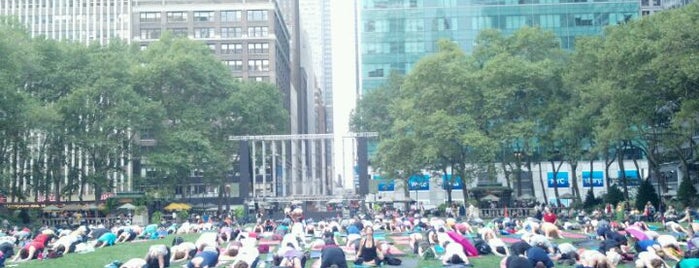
368 253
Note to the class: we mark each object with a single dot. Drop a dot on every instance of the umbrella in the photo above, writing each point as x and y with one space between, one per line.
178 206
127 206
296 202
490 197
51 208
334 201
566 196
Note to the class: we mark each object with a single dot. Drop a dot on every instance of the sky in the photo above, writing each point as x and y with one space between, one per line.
344 85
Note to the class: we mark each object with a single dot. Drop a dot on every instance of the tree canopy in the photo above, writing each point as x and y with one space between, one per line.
73 117
628 93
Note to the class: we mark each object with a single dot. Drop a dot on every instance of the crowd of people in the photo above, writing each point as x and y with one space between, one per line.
379 239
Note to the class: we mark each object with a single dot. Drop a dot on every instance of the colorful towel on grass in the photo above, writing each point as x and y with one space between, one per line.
402 242
395 251
510 240
269 242
347 249
400 238
574 235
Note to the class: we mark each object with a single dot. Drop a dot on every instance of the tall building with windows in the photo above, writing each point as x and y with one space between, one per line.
395 34
83 21
249 36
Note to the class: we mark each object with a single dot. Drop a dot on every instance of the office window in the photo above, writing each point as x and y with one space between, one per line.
203 16
230 32
482 22
376 72
549 21
414 47
231 48
414 25
258 48
257 15
258 65
583 19
231 15
150 16
443 24
179 32
204 32
259 78
176 16
212 47
153 33
234 65
515 22
258 31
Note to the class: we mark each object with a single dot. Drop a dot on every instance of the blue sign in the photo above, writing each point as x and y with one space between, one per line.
597 178
419 183
385 185
561 180
632 177
455 184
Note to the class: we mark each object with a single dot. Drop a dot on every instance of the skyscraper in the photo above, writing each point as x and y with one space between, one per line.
395 34
84 21
250 36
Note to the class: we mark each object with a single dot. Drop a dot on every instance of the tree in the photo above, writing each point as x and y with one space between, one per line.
103 113
614 196
687 193
646 193
434 123
590 200
372 113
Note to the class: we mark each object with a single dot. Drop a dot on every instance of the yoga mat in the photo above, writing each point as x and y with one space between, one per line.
269 242
510 240
402 242
574 235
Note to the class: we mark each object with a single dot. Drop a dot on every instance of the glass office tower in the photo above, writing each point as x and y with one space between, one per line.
395 34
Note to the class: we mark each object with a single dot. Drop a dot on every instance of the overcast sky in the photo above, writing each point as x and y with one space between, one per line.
343 82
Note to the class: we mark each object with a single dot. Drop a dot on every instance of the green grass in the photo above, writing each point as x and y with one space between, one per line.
123 252
102 256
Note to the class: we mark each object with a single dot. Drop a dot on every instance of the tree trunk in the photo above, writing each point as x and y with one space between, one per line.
555 180
608 163
620 159
543 187
448 187
574 181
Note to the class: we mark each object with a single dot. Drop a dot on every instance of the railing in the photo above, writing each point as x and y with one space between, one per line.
107 221
490 213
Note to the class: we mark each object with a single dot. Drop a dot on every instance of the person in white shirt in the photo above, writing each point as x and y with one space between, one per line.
454 254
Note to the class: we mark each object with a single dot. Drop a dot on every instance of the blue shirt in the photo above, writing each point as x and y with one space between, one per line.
643 245
108 238
210 259
537 254
352 229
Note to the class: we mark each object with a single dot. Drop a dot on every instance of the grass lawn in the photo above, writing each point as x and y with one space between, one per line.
124 252
102 256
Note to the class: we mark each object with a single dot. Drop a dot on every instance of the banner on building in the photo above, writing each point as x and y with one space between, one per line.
384 185
455 182
597 178
419 183
561 180
632 178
